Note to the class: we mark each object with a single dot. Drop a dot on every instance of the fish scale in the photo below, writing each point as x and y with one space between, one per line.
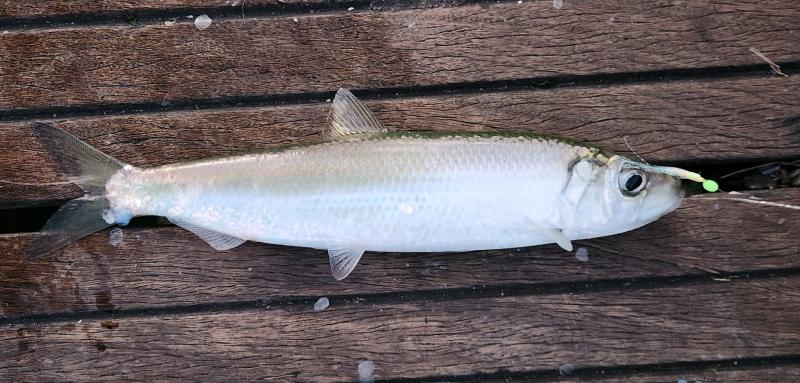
395 193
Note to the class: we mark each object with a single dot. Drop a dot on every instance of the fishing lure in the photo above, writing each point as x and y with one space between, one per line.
368 189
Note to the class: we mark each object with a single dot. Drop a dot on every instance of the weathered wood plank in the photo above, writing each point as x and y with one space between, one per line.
168 266
490 41
749 374
748 318
45 8
741 119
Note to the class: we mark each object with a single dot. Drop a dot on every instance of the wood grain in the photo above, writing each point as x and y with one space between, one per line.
319 53
45 8
715 281
166 267
714 374
742 119
748 318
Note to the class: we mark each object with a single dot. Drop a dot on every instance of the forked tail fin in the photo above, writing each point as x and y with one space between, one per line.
85 166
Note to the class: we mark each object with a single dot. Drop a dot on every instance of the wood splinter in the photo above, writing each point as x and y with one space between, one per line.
774 67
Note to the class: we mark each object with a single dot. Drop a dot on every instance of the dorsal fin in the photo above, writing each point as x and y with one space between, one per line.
349 116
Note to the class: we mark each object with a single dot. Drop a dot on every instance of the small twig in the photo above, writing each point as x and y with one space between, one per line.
774 67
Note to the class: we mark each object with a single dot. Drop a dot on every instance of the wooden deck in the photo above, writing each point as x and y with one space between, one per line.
709 293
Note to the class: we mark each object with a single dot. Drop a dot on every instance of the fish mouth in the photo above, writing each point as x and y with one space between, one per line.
655 212
668 208
668 195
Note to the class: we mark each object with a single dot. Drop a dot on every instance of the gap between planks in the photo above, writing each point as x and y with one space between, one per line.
771 369
244 58
151 14
544 83
302 303
750 320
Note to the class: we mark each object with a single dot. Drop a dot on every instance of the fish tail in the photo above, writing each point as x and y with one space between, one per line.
85 166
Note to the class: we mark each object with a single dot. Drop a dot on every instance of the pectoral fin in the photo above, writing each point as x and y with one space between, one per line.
344 259
555 234
217 240
559 238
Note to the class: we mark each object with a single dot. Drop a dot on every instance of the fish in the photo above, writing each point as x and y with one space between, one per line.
365 188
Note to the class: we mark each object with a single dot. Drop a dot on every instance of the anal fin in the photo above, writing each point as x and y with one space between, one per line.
215 239
344 259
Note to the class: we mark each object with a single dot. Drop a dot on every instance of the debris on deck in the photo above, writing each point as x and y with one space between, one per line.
202 22
321 304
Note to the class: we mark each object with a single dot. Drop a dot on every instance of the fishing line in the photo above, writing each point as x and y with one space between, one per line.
751 200
625 139
760 166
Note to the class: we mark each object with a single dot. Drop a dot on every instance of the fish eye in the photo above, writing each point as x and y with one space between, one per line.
632 182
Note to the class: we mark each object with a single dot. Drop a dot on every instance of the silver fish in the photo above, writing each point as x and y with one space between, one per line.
368 189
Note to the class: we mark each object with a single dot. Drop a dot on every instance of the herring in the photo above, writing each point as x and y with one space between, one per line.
367 189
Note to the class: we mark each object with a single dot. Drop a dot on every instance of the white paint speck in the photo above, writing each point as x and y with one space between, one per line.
190 17
558 4
582 254
566 369
115 237
295 19
519 1
321 304
169 23
365 370
350 9
202 22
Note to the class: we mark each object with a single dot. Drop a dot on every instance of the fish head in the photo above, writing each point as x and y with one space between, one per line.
638 193
609 196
